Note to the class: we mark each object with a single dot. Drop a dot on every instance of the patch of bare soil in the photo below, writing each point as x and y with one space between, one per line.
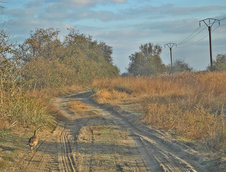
106 138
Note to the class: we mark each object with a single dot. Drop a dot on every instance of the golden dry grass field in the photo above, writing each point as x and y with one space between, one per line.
163 123
190 105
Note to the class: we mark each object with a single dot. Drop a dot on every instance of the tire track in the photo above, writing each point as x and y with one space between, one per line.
156 150
102 113
151 151
66 156
154 160
151 163
91 156
167 160
160 154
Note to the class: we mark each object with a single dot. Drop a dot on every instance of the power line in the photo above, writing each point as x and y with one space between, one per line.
188 37
205 35
194 34
217 27
209 22
200 39
196 41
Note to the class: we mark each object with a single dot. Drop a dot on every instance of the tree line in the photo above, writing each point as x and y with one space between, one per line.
147 61
47 61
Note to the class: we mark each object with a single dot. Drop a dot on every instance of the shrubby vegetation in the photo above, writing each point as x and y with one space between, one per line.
16 107
45 61
50 62
219 64
180 66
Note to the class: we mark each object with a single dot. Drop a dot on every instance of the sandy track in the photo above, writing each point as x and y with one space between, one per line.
107 139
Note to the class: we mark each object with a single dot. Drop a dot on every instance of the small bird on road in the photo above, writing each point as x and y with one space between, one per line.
33 141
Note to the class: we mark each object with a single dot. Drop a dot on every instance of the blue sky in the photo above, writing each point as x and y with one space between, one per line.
126 24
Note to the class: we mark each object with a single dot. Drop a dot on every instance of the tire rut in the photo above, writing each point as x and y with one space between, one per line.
67 161
159 153
147 149
91 156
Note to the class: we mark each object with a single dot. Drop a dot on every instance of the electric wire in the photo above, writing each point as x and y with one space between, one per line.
188 37
189 40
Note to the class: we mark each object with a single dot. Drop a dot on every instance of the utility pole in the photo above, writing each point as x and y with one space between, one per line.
170 46
209 22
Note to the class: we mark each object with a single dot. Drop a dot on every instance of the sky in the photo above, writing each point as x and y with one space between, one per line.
126 24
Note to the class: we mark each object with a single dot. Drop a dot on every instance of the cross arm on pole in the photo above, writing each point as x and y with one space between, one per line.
209 22
170 45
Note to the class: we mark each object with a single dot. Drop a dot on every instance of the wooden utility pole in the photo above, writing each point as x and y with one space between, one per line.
170 46
209 22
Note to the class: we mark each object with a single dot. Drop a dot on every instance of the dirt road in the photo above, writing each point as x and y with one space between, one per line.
105 138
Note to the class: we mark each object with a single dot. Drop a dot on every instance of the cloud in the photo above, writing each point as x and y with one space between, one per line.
87 3
120 24
170 10
118 1
36 3
22 12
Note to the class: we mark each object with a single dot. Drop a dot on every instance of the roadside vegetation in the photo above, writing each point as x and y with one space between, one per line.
41 67
191 106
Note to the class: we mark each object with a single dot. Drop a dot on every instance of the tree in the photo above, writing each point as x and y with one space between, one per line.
220 63
180 66
42 43
150 49
106 51
147 61
49 62
47 73
9 70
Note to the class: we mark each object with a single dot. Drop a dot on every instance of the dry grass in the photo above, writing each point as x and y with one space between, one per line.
53 92
81 110
110 96
30 108
77 106
192 105
24 110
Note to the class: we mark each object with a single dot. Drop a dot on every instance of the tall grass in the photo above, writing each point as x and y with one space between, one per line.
26 111
191 105
17 108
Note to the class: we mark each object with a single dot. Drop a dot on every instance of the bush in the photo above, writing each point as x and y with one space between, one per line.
16 108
